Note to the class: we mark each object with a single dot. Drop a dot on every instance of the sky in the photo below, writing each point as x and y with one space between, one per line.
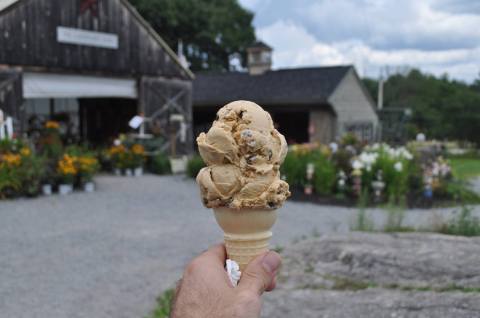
379 37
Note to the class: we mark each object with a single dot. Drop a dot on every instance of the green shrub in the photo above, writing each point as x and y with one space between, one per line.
294 168
464 224
194 165
160 164
325 175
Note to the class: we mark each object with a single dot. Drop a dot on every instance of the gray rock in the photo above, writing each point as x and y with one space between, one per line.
370 303
379 275
408 259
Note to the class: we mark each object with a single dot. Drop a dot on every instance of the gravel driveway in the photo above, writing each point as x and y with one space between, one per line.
110 253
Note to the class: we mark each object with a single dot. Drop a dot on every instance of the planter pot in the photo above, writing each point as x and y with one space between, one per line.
89 187
117 172
65 189
128 172
138 172
179 165
46 189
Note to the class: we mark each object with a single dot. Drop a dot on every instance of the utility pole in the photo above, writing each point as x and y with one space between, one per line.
380 93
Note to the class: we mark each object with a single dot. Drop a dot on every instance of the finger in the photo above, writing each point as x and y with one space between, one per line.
260 272
216 253
272 285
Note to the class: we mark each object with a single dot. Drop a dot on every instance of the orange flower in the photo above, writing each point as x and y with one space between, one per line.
138 149
52 124
11 159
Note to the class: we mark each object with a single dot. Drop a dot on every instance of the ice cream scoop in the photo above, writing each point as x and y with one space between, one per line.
243 152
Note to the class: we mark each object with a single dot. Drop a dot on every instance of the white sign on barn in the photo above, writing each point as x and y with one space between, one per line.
88 38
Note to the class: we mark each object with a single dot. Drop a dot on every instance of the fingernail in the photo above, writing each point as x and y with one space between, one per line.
271 262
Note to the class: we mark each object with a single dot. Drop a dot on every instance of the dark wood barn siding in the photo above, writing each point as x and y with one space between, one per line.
28 37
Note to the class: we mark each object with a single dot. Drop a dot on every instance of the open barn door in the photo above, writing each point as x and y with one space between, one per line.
11 98
167 104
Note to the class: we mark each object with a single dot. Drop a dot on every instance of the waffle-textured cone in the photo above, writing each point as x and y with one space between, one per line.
246 232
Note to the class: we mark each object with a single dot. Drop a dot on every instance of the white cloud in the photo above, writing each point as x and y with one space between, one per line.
295 46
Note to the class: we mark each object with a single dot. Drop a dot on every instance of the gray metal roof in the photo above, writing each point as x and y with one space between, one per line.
288 86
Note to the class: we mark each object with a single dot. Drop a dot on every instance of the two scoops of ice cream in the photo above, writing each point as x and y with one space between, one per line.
241 182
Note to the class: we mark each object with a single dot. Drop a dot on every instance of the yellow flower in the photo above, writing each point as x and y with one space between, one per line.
114 150
138 149
25 151
66 165
87 164
11 159
52 124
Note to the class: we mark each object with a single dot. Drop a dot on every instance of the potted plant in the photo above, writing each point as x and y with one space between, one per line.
67 171
32 171
87 166
138 158
117 155
10 182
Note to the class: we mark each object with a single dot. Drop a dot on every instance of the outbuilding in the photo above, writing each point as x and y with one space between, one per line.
317 104
93 65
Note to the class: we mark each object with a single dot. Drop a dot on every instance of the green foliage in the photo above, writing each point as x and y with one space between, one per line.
294 168
164 305
211 31
325 175
395 217
363 221
21 171
460 192
31 174
194 165
160 164
464 224
440 106
465 168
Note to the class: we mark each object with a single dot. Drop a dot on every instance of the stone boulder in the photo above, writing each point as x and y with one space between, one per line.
379 275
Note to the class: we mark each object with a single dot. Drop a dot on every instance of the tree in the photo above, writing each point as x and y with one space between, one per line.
442 108
212 31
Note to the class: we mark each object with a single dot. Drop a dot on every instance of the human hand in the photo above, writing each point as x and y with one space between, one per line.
206 291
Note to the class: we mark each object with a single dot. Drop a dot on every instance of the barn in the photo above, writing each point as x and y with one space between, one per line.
317 104
92 65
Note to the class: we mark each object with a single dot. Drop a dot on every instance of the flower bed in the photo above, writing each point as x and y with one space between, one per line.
379 173
27 168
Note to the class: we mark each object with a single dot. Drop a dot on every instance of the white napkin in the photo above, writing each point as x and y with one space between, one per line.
233 271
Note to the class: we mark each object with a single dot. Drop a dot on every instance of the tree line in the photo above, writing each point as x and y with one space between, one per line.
441 108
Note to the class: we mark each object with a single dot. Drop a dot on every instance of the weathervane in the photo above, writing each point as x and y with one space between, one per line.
91 5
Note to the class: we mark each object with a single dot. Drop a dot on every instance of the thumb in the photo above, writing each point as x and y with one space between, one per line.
260 272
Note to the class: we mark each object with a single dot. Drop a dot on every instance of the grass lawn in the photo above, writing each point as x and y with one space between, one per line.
465 168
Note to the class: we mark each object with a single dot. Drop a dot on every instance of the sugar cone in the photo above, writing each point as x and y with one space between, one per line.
246 232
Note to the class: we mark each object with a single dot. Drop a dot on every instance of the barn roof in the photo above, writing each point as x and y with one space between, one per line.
287 86
260 45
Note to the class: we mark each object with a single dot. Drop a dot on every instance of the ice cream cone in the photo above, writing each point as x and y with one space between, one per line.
246 232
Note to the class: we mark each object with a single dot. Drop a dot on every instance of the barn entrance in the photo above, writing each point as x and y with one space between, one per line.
293 125
103 119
